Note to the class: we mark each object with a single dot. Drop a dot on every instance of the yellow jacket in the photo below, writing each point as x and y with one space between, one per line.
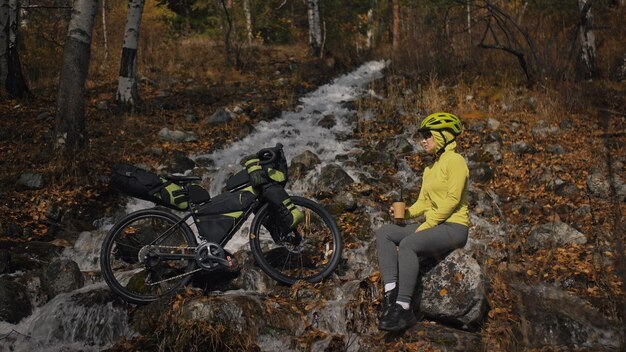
443 196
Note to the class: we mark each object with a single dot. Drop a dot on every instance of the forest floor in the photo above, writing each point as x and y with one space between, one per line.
77 186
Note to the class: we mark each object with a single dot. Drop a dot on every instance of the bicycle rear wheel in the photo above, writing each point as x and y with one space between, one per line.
148 254
311 252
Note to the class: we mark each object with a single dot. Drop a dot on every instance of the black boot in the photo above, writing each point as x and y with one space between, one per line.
389 299
397 319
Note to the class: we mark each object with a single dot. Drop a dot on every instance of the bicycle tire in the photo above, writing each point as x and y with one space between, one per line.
321 243
120 263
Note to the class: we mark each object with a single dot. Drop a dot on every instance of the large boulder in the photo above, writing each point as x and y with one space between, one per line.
242 312
14 302
554 234
556 318
332 179
303 163
60 276
454 291
33 255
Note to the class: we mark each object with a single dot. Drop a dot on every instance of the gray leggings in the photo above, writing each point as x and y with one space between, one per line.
399 247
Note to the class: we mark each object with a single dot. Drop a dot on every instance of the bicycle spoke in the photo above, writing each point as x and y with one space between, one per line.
139 270
303 257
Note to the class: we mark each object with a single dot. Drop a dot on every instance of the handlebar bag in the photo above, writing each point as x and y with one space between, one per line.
217 217
146 185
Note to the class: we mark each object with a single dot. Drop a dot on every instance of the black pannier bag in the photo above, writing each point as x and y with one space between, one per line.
215 218
147 185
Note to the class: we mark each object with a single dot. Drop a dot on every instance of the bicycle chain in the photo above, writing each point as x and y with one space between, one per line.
177 276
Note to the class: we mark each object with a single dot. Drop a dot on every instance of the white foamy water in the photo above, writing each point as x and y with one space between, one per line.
299 131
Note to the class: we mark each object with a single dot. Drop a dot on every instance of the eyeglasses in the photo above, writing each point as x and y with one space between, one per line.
425 134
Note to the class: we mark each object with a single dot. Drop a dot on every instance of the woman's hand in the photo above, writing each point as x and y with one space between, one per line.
391 211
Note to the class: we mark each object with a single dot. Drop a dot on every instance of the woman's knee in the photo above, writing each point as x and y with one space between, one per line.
383 231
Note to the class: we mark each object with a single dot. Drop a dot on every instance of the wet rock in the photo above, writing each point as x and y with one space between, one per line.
92 318
397 147
14 302
328 121
33 255
204 161
370 156
557 318
554 234
356 263
269 112
333 179
176 136
180 163
453 291
243 130
61 276
342 202
31 181
249 277
303 163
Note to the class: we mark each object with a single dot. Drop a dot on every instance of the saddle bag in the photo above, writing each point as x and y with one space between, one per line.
217 217
146 185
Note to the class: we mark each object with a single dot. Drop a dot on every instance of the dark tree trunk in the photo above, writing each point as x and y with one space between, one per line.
70 119
14 83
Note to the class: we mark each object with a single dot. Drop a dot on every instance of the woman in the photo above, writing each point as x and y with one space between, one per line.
443 202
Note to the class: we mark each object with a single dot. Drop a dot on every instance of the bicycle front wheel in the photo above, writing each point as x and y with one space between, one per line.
148 254
311 252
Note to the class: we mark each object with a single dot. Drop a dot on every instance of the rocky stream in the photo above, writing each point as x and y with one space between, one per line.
53 298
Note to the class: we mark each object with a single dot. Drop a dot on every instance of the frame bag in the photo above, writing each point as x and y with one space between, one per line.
217 217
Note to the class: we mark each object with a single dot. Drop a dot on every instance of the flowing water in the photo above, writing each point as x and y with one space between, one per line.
83 320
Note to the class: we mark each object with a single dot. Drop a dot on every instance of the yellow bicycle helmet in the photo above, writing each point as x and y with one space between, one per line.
442 121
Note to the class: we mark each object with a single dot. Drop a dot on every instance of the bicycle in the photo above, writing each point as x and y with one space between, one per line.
153 252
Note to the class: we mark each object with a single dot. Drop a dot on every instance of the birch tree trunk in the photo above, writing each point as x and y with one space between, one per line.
4 40
315 28
127 94
587 40
248 14
15 83
70 118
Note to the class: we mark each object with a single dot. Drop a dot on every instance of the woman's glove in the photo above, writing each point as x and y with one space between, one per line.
256 172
